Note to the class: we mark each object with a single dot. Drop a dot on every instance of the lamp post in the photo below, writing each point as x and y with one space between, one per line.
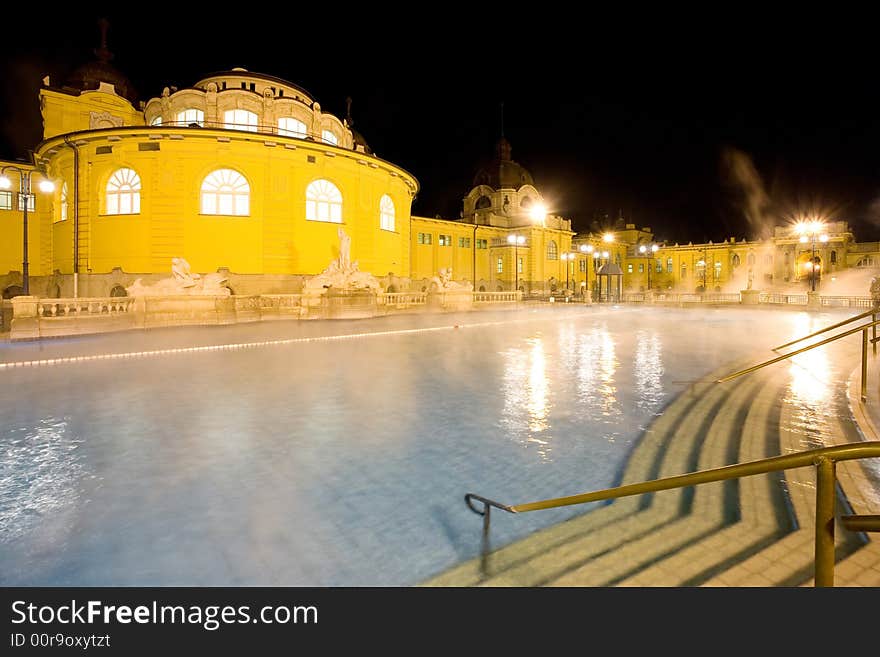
811 230
516 240
643 249
566 258
587 248
24 194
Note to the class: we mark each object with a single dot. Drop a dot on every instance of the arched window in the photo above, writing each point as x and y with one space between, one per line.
225 191
239 119
190 116
329 138
684 271
323 202
484 202
63 214
386 213
735 260
156 120
291 127
551 250
124 192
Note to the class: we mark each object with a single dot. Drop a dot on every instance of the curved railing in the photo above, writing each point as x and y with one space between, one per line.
824 458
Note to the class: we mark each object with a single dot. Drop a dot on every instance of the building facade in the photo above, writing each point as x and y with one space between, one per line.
245 174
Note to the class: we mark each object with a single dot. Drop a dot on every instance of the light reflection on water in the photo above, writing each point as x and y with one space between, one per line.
332 464
40 472
812 387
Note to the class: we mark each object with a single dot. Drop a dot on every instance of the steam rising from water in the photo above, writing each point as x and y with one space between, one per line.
742 175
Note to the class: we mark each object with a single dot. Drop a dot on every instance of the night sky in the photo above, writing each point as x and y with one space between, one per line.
700 130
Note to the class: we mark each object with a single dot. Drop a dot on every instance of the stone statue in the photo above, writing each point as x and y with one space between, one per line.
875 291
443 281
342 273
181 282
344 250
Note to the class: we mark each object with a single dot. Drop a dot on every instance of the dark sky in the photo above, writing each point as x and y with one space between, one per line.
609 116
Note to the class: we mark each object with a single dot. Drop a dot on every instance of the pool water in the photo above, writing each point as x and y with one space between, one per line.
313 459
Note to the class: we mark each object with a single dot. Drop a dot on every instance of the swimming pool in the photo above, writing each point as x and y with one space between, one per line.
331 453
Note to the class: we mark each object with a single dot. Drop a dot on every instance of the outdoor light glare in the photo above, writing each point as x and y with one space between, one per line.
823 238
608 237
47 186
5 182
587 248
643 248
654 248
803 239
538 212
604 254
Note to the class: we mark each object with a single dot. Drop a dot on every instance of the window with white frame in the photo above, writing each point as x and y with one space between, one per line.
445 240
63 205
552 253
323 202
189 116
499 268
225 191
386 213
291 127
123 192
329 138
239 119
5 200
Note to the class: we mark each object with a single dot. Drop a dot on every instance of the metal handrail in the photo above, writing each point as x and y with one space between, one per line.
824 458
863 328
827 328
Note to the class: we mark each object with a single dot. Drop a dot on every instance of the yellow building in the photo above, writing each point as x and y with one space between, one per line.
506 238
245 174
242 173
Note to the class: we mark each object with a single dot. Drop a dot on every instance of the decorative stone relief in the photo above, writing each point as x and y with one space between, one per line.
98 120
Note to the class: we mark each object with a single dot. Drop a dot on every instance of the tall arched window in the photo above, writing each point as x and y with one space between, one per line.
735 260
291 127
124 192
239 119
386 213
329 138
226 191
189 116
323 202
551 250
63 214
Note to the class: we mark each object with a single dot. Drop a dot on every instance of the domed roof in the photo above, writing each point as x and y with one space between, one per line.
503 171
89 77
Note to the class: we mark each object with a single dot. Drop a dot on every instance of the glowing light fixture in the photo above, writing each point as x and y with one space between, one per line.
538 212
24 194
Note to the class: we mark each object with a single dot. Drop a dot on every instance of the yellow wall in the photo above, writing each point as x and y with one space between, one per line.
65 113
274 239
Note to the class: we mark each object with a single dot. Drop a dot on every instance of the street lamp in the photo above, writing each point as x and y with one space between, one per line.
587 248
516 240
810 231
24 194
567 258
643 249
